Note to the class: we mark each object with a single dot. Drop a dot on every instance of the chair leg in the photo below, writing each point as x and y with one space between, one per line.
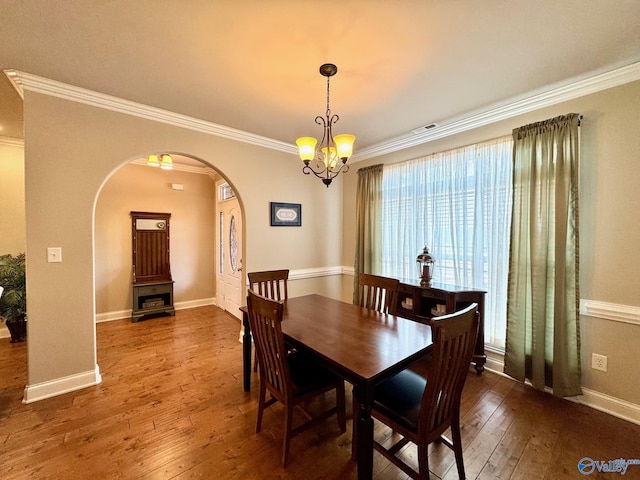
456 440
288 419
423 462
255 362
340 405
261 400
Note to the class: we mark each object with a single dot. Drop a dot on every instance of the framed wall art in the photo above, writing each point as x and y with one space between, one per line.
286 214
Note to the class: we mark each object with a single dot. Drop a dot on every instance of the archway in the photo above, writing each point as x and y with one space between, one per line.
189 193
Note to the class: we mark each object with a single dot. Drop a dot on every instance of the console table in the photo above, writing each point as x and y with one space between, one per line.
422 303
151 299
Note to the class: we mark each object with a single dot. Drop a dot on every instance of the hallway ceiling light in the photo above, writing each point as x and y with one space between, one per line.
325 158
163 161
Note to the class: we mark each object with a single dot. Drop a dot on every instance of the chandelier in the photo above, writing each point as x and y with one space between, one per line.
163 161
323 162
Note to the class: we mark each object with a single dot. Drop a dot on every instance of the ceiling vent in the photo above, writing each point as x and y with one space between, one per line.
424 128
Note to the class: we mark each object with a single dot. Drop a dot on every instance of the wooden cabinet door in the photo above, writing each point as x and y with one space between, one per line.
150 247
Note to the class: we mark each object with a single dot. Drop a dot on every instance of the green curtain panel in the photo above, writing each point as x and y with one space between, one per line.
368 224
543 336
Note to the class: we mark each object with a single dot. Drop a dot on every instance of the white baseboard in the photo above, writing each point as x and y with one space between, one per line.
120 314
598 401
613 406
195 303
494 365
40 391
115 315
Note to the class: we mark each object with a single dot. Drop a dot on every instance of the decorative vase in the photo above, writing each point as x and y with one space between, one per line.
18 330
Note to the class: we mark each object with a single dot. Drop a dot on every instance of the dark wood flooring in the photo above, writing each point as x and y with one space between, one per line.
171 406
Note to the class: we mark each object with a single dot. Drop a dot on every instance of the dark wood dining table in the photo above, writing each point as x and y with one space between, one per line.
362 346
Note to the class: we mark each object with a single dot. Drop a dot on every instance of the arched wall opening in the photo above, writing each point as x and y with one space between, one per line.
188 192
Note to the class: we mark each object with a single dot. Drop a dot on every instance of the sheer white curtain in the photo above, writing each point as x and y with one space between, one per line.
457 203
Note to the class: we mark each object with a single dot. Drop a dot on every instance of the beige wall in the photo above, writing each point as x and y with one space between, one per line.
72 149
609 222
193 229
12 218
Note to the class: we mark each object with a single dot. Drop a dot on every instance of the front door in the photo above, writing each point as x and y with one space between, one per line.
230 271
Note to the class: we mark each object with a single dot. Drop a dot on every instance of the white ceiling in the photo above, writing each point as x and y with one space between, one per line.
253 64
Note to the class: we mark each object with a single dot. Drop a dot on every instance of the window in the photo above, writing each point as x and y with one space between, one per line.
225 192
458 204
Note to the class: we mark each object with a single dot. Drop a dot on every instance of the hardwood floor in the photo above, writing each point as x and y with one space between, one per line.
171 406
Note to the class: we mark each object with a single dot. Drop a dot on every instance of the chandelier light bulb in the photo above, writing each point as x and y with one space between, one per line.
306 148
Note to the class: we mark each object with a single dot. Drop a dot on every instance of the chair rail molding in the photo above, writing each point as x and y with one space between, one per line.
610 311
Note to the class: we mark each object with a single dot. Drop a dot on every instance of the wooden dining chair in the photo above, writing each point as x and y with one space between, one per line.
290 378
377 293
421 408
271 284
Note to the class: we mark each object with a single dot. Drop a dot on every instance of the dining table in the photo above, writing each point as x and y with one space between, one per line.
360 345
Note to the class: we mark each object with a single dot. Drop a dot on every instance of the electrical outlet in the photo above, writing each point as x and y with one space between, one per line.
599 362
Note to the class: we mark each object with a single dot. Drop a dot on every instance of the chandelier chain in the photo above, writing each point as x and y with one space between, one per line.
328 109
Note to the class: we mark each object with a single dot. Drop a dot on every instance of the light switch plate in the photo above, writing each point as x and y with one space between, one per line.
54 254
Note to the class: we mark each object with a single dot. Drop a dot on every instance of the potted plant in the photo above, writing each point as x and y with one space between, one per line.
13 301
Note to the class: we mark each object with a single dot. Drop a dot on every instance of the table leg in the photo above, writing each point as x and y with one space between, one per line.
363 432
246 352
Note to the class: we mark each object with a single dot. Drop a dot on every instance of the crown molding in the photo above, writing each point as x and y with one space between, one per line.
494 114
22 81
25 81
11 141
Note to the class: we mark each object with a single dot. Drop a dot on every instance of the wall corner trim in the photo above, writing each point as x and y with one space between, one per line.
58 386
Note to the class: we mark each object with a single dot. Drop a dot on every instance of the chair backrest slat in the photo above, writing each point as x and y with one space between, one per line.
265 318
454 338
377 293
270 284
